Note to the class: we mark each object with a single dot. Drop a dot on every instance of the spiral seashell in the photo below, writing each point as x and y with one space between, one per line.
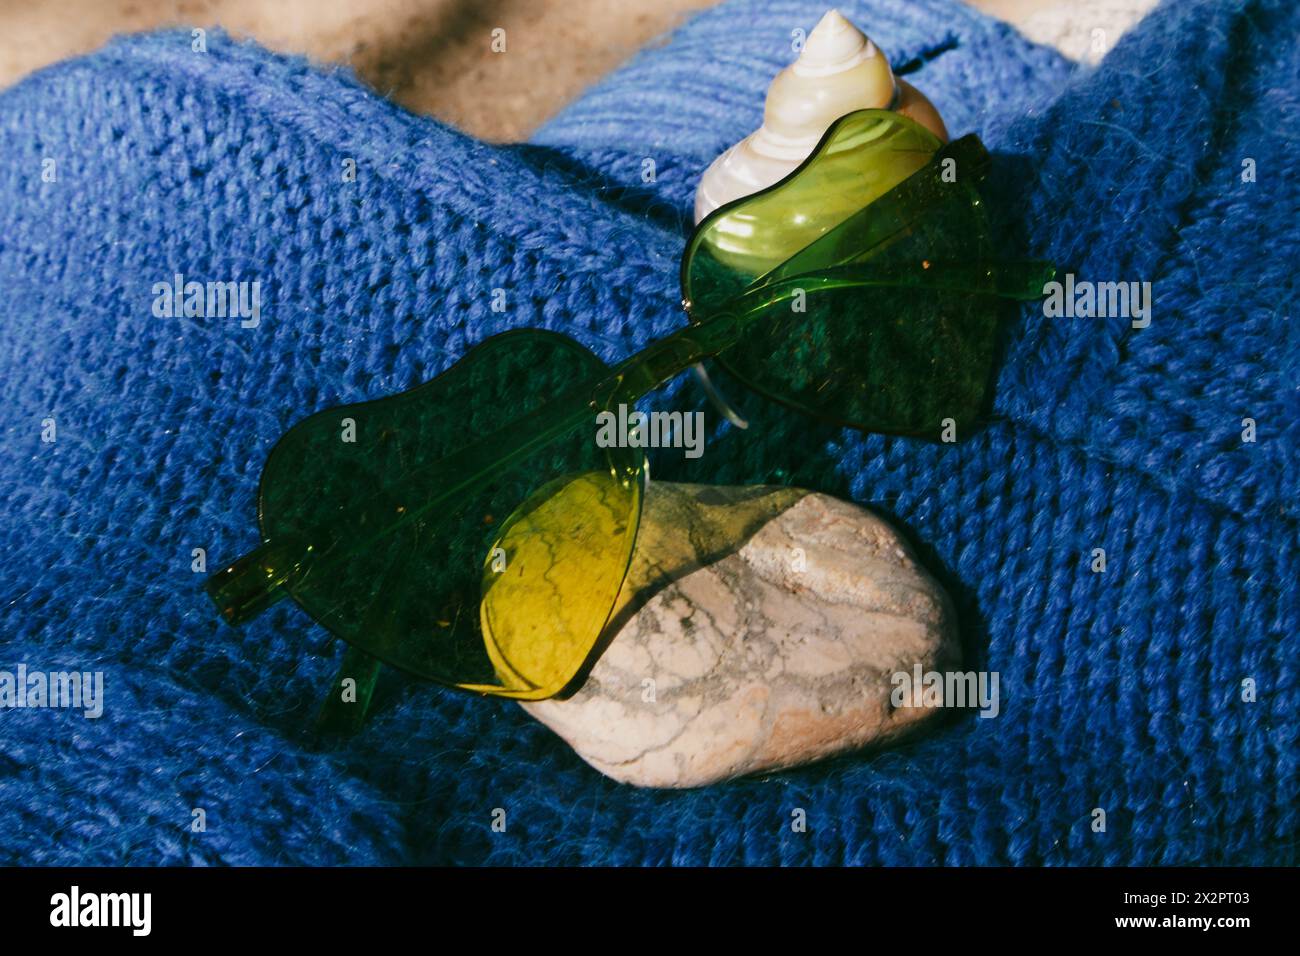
839 70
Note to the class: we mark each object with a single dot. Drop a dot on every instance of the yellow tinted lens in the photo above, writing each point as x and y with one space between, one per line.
551 580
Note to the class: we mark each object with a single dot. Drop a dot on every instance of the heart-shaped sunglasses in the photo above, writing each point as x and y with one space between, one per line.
475 532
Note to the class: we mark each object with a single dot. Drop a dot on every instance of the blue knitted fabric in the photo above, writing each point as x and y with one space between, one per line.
1120 690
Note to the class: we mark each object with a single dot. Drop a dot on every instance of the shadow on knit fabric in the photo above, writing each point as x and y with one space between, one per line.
1120 690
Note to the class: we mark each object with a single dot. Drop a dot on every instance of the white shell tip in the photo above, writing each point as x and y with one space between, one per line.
834 45
832 21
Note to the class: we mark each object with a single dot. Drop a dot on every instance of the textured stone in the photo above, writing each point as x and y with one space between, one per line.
759 629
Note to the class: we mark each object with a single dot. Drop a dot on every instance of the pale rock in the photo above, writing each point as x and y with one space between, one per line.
759 629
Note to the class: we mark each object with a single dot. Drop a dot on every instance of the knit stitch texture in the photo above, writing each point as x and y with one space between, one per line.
1120 690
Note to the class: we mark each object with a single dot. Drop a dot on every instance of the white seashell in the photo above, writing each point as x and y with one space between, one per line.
769 626
838 71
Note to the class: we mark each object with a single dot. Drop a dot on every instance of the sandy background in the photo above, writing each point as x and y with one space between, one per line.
434 56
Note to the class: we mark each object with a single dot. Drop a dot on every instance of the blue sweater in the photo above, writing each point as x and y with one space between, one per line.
1122 690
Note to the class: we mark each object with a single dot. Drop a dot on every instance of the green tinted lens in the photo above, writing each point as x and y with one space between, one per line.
861 157
898 358
553 579
494 574
874 321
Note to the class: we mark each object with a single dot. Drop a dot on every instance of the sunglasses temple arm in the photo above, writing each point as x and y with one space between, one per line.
344 709
253 583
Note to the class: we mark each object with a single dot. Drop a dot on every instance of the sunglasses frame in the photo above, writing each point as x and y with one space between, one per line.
255 581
